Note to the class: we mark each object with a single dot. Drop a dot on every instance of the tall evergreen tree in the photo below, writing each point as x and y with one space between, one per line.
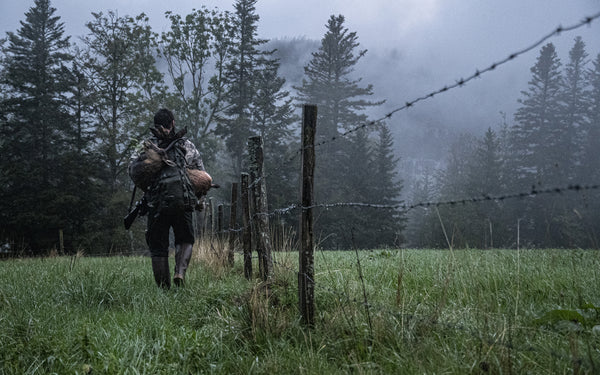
420 232
590 165
246 58
461 223
386 190
590 171
486 178
575 97
273 116
537 123
329 84
36 132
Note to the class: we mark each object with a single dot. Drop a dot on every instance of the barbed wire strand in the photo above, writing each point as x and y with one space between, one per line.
458 83
462 81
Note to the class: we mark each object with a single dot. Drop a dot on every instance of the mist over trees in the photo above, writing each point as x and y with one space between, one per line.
73 109
548 147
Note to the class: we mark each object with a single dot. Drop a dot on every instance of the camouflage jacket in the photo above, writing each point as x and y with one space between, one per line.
193 159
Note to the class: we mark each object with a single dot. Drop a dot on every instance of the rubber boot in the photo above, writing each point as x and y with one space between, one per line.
183 255
162 275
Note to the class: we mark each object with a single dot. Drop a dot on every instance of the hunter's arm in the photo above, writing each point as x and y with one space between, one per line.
193 159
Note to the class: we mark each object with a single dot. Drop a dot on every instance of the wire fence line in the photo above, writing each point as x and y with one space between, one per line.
458 83
463 81
533 192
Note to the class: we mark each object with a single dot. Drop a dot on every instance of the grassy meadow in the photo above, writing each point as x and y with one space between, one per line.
377 312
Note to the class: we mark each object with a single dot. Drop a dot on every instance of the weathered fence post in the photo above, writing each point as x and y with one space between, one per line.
61 242
246 230
209 218
232 222
306 281
259 194
220 221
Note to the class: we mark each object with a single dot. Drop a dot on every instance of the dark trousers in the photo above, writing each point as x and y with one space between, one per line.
159 224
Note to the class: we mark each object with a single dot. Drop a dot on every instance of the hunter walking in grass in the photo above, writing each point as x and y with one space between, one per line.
164 170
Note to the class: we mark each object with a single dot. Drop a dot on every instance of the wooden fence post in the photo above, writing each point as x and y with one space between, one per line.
260 217
306 281
246 230
220 221
209 217
232 223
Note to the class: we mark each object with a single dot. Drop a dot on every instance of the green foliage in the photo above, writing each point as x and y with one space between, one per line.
196 49
125 86
40 148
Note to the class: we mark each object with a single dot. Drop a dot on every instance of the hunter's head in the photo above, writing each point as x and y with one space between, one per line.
164 118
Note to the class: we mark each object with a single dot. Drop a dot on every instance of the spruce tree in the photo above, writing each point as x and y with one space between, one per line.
235 126
420 232
36 132
590 165
273 116
575 98
386 190
486 178
537 126
329 83
590 170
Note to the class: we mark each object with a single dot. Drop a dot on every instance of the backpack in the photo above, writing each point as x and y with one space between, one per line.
172 191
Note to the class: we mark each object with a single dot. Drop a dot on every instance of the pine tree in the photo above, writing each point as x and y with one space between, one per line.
386 190
273 116
575 97
537 122
461 222
590 164
486 178
591 160
420 232
246 59
341 101
36 132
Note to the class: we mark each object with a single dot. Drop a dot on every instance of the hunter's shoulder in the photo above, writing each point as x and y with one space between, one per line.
188 144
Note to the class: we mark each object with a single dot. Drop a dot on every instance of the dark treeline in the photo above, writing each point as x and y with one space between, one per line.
72 112
553 142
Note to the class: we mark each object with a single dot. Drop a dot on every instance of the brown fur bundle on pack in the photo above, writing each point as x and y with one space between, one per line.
146 167
201 181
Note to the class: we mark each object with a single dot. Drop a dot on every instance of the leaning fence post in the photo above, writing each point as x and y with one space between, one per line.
232 222
306 281
259 193
246 230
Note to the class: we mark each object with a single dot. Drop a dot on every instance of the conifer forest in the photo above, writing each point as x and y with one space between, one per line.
73 108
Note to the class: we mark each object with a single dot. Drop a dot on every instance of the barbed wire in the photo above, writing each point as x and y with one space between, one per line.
458 83
534 191
462 81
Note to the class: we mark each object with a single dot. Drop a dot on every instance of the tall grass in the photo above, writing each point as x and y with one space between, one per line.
475 311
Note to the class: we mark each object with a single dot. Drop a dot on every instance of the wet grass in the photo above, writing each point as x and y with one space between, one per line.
425 311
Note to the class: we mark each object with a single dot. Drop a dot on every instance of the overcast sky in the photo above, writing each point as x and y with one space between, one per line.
415 46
